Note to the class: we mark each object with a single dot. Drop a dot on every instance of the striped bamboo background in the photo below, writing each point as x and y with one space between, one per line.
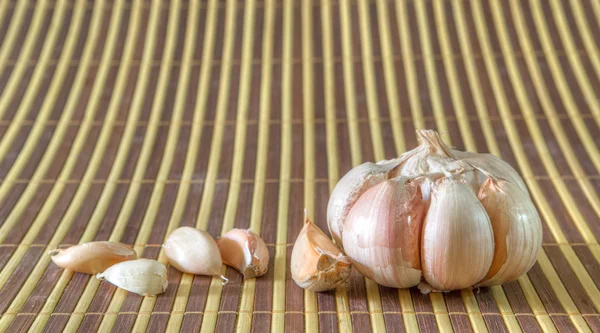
122 120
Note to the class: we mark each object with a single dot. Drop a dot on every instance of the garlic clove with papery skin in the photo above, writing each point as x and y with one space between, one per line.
92 257
144 277
517 230
491 165
457 244
317 263
350 188
381 233
193 251
245 251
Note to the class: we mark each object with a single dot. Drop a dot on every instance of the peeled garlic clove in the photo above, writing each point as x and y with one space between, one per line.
517 230
350 188
317 263
244 251
193 251
144 277
92 257
457 238
381 233
492 165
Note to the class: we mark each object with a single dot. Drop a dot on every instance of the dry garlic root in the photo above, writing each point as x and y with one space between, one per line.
244 251
141 276
193 251
93 257
317 263
453 219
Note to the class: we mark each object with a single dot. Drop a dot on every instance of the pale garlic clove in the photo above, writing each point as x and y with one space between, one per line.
491 165
92 257
517 230
457 244
144 277
382 231
245 251
193 251
317 263
350 188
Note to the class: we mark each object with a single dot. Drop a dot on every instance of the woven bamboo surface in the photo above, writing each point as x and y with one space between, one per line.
122 120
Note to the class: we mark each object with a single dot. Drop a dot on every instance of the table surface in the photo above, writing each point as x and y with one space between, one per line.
122 120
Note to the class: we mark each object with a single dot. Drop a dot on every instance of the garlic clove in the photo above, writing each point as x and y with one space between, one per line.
245 251
193 251
491 165
144 277
92 257
457 244
517 230
317 263
381 233
350 188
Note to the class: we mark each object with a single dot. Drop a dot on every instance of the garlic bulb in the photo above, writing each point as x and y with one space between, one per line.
244 251
457 244
517 230
193 251
350 188
144 277
92 257
317 263
432 216
384 225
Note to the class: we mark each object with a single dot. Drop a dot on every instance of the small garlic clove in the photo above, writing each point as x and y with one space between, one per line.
350 188
457 244
193 251
245 251
317 263
144 277
381 233
491 165
517 230
92 257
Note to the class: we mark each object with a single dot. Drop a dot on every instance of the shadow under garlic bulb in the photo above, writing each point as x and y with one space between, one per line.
436 217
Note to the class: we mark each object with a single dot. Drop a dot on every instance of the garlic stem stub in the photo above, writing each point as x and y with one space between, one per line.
144 277
193 251
92 257
317 263
245 251
436 217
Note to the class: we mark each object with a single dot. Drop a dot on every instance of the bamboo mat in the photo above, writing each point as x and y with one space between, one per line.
122 120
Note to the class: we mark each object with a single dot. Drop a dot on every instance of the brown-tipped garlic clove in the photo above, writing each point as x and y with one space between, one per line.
144 277
92 257
517 230
244 251
381 234
350 188
317 263
193 251
457 244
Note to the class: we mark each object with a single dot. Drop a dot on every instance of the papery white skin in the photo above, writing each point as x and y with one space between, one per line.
92 257
350 188
144 277
517 230
193 251
457 239
382 232
245 251
317 263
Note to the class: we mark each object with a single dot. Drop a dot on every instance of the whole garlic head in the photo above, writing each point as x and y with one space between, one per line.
436 217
